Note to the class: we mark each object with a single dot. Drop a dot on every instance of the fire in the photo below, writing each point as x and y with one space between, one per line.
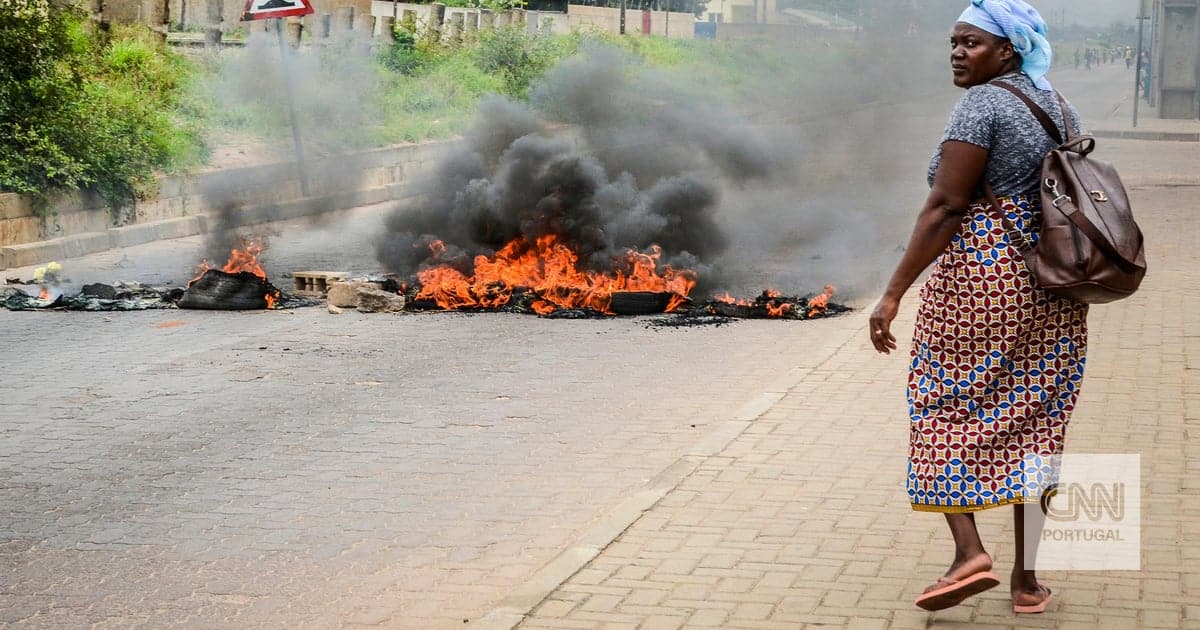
243 260
782 309
774 304
818 303
550 269
44 294
726 298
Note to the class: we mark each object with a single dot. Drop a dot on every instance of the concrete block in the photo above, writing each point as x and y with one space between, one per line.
345 294
378 301
20 230
79 222
171 186
14 206
316 283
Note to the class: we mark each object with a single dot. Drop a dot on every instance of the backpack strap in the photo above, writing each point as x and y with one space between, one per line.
1068 117
1038 112
1085 225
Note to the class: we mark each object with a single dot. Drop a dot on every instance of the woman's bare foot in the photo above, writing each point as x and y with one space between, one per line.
1027 591
964 567
967 576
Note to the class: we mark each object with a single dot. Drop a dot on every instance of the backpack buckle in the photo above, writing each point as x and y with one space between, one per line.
1059 198
1099 195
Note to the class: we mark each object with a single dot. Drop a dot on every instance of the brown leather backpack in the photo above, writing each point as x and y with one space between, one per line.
1090 249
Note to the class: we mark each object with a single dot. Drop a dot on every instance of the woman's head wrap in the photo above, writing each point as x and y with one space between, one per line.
1023 26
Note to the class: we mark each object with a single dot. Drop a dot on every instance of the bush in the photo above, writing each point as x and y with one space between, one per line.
81 111
518 58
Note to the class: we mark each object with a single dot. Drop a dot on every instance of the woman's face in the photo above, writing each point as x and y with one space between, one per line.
977 56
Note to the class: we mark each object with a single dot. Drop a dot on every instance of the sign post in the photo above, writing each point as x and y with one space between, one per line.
277 10
1143 15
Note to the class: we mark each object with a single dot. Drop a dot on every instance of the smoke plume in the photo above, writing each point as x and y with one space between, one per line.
639 166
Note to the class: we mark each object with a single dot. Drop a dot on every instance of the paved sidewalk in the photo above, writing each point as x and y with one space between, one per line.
1104 97
802 518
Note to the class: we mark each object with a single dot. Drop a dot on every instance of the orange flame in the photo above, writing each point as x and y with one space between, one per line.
44 294
549 268
245 259
242 260
818 303
779 309
726 298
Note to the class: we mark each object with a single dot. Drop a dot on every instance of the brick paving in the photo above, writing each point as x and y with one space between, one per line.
802 518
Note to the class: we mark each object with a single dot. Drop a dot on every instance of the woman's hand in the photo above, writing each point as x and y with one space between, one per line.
881 325
961 168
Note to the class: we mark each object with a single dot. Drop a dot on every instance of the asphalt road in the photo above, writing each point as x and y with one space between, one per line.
298 468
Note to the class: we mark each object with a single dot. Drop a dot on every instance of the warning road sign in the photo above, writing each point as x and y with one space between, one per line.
267 9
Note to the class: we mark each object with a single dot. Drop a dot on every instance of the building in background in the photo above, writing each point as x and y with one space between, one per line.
1175 58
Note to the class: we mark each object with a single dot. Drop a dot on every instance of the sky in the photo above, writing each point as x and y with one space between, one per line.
1087 12
1056 12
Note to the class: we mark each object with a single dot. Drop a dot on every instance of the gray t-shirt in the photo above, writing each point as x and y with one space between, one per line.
995 119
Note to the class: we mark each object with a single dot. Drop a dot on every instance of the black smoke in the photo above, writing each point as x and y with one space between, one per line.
609 158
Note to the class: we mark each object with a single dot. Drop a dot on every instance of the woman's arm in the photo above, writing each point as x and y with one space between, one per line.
960 170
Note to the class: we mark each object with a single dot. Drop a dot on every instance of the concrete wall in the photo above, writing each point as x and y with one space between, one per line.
380 8
1177 58
200 13
744 11
535 21
674 25
80 224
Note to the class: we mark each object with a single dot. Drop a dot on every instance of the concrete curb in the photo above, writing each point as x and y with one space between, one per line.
514 608
28 254
1165 136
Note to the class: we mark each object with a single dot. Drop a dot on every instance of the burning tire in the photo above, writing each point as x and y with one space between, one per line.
640 302
220 291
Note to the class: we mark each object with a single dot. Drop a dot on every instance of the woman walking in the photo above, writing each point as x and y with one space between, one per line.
996 361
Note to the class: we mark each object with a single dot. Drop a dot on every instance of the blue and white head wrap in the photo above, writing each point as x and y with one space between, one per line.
1023 26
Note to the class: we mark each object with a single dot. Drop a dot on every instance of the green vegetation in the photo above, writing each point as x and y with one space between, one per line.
495 5
81 109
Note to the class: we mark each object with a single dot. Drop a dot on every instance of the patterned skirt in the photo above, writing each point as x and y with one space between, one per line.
996 368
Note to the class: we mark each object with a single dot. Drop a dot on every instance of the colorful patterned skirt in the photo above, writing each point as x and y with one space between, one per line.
996 368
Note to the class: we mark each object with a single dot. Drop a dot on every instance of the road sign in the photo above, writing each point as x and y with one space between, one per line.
268 9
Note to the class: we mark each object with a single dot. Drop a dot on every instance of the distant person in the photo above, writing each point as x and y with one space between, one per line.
1089 58
996 362
1076 57
1128 57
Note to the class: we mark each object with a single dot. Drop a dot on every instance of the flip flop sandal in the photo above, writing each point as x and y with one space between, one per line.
956 591
1039 607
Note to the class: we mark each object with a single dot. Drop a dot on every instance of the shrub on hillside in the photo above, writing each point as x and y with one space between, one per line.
518 58
79 111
